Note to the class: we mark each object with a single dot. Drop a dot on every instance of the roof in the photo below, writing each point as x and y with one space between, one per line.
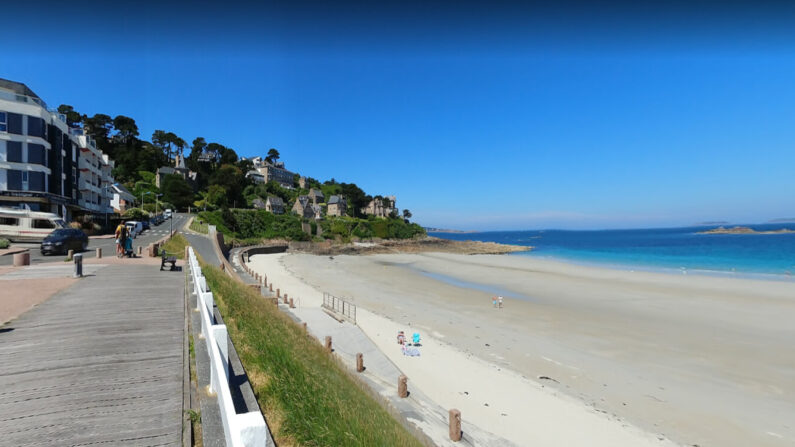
275 200
335 199
258 203
18 88
167 170
121 189
316 192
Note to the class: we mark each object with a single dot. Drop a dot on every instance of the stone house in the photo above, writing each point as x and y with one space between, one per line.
316 196
274 205
381 206
305 208
337 206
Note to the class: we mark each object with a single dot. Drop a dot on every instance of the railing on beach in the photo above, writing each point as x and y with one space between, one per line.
246 429
340 306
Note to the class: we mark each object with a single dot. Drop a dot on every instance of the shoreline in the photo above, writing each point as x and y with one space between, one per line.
676 355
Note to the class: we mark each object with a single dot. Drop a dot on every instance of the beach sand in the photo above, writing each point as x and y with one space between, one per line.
627 358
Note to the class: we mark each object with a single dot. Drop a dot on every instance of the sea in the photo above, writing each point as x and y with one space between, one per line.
671 250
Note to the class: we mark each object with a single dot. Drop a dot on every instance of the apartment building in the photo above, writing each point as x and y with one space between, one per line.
41 158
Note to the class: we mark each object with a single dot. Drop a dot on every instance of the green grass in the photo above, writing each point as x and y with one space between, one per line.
199 225
176 246
308 398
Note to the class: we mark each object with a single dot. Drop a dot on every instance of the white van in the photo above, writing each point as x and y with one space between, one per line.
20 225
167 214
134 228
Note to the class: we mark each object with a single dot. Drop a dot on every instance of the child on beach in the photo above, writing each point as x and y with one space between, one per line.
494 301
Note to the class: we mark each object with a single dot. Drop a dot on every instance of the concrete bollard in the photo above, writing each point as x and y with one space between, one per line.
285 299
403 389
455 425
70 255
140 250
328 343
78 266
99 252
292 305
359 362
270 287
21 259
278 293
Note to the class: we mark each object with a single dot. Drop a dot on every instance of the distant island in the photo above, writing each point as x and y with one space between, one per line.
446 230
783 220
744 230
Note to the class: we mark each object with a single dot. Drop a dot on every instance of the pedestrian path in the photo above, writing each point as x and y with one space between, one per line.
99 363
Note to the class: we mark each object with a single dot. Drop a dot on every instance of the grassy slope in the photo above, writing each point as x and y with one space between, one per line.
176 246
306 395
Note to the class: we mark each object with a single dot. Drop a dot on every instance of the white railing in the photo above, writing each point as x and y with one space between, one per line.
247 429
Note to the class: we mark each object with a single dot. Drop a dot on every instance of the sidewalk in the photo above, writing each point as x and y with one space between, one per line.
100 362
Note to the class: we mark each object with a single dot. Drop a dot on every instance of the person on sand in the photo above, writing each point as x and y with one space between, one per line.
494 301
401 338
499 301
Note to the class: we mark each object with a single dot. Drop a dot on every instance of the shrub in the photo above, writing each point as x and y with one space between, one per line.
4 243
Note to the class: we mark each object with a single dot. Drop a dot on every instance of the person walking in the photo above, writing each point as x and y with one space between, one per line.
121 238
499 301
494 301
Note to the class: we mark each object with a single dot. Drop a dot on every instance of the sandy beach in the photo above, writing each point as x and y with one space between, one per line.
578 355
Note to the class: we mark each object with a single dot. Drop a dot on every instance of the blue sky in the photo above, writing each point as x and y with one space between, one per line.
476 118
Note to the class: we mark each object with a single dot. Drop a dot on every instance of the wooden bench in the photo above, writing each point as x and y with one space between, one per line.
166 259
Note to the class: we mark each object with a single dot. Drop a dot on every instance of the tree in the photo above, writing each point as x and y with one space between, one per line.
216 196
126 129
273 156
177 191
406 215
73 119
232 179
356 198
98 127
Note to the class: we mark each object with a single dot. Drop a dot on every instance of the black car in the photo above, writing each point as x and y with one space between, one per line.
145 224
64 239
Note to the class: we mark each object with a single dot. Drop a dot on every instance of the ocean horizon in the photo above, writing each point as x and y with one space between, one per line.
679 250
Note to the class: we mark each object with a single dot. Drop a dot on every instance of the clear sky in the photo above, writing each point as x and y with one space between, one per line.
474 116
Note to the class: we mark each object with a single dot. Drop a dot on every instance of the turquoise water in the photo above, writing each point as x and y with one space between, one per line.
668 249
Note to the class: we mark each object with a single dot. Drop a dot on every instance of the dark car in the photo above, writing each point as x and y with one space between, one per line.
64 239
145 224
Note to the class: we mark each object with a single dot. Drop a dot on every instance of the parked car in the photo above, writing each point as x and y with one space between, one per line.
63 240
145 224
134 228
27 226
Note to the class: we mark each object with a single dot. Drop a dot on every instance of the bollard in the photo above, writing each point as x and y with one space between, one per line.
359 362
70 255
305 329
455 425
140 250
285 299
21 259
403 389
292 306
270 286
222 266
278 293
328 343
78 266
99 252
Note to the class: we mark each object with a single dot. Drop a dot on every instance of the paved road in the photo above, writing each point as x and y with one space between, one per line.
108 245
100 363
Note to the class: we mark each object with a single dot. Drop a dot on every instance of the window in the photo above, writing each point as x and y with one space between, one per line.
42 223
10 221
3 122
24 180
14 151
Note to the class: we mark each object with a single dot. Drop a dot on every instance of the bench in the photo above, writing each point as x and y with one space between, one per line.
166 259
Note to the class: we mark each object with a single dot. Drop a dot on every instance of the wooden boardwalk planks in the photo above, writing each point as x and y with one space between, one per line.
98 364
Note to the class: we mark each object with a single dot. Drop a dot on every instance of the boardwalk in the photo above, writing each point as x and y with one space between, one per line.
98 364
